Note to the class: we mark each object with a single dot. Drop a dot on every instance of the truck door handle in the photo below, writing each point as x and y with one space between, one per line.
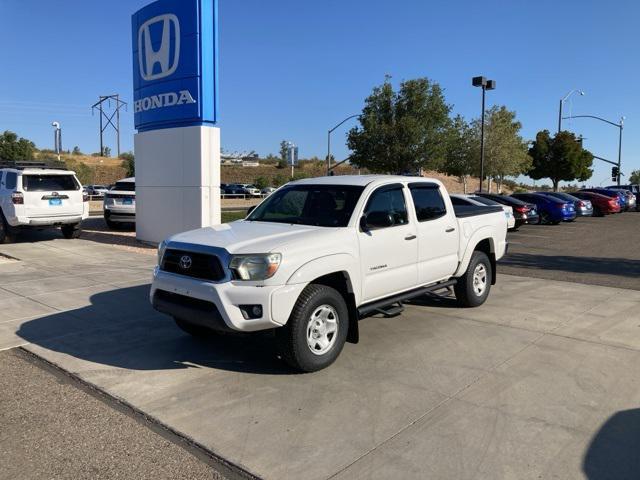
410 237
450 229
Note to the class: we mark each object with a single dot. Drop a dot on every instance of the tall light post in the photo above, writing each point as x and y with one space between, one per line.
486 85
57 138
620 127
329 132
564 99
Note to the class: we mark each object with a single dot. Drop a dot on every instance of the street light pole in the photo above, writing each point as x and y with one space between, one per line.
562 100
484 90
486 85
57 138
329 132
620 126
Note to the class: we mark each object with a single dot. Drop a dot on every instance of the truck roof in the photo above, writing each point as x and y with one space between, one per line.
39 171
362 180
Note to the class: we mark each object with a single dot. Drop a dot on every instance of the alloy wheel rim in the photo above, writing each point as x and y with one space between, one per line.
479 279
322 329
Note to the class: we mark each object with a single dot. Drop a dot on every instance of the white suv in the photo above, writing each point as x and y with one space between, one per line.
120 203
35 195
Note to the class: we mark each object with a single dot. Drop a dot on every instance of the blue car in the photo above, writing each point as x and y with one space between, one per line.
622 198
551 209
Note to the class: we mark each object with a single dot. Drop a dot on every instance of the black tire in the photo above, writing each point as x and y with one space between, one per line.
465 291
555 222
71 230
5 233
112 225
193 330
292 338
543 219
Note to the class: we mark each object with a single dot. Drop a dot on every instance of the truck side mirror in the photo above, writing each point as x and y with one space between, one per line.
375 220
250 209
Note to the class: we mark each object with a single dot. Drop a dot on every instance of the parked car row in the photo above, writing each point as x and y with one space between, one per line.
241 189
556 207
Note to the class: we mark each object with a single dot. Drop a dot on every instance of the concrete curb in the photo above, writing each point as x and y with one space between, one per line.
228 469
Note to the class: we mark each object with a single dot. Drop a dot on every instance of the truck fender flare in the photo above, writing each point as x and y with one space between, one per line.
484 233
326 265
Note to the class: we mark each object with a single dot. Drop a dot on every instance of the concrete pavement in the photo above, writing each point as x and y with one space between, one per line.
541 382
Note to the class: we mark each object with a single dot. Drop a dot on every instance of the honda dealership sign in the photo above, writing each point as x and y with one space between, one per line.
175 64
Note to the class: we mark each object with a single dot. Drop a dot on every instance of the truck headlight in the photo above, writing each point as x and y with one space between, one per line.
161 248
255 267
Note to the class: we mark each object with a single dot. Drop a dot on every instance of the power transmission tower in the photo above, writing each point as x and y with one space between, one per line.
106 118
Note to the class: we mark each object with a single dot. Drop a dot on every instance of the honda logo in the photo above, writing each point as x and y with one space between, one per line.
148 57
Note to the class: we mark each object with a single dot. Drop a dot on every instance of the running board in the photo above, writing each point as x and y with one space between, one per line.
391 311
385 305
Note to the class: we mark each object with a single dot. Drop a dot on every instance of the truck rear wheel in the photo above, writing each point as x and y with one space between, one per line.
473 287
111 224
71 230
5 232
316 331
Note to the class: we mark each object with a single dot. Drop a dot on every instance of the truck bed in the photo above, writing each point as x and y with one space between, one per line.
464 211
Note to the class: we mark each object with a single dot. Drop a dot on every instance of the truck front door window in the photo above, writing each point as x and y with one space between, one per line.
388 201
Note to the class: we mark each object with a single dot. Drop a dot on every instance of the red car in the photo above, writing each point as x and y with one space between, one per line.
602 205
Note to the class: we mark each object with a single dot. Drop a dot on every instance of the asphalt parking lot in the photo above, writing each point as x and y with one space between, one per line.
598 251
540 382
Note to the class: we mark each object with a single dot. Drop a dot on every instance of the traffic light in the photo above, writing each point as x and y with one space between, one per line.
615 172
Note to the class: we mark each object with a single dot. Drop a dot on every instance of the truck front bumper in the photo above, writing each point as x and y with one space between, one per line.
218 305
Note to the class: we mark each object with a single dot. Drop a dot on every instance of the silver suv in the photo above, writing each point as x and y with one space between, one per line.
120 203
37 195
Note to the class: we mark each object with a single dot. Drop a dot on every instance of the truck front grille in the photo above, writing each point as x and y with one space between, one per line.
190 264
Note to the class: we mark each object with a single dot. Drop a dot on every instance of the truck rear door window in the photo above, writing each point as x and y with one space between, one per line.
428 202
49 183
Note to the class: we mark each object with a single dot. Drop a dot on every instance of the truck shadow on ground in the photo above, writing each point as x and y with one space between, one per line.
609 266
614 451
119 328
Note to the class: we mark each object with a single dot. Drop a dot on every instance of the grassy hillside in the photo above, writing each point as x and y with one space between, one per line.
107 170
98 170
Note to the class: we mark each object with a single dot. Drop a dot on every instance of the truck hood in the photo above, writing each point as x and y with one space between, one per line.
251 237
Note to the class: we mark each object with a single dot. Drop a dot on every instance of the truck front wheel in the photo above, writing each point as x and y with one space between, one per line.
316 331
473 287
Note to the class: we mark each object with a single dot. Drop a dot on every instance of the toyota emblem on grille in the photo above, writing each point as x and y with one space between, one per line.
185 262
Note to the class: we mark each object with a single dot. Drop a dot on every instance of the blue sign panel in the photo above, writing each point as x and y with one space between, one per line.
175 71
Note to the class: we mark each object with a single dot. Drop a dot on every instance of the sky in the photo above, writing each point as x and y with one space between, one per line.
292 69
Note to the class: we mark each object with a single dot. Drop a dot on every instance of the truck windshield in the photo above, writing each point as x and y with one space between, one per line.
319 205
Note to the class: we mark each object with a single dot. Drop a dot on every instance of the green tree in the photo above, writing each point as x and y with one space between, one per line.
261 182
559 158
401 131
129 163
506 152
634 178
106 152
284 151
279 180
14 148
76 151
463 151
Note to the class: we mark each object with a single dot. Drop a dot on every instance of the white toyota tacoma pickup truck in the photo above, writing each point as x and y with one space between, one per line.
320 254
